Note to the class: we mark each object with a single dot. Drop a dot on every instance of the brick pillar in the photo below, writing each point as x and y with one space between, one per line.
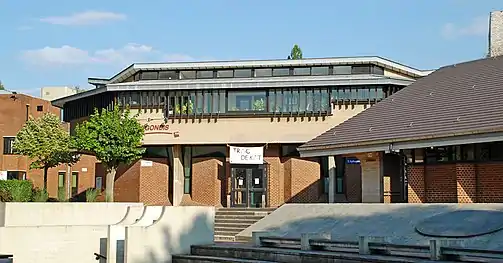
416 189
466 183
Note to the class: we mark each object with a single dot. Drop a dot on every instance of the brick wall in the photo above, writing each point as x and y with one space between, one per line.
305 185
153 189
461 182
490 182
353 180
416 190
208 181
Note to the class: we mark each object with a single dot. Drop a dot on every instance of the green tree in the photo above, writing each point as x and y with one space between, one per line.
114 137
296 52
45 142
2 87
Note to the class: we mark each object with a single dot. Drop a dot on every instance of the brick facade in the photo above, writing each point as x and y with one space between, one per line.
290 179
456 183
14 110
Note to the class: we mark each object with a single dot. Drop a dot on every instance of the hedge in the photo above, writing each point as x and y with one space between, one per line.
15 190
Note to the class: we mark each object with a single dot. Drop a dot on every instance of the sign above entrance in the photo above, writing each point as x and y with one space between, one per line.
159 129
246 155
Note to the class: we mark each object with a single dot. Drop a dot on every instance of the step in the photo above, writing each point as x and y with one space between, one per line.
246 251
239 217
242 221
209 259
227 233
229 229
224 238
242 213
233 224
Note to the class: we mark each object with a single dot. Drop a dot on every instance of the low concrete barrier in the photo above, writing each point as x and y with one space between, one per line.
173 233
58 214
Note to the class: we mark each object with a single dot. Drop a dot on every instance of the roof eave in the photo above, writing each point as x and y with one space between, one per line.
60 103
460 138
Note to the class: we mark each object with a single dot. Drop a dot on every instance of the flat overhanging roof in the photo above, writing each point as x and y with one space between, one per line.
389 64
238 83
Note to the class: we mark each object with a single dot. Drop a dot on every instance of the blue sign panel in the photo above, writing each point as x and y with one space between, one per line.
352 161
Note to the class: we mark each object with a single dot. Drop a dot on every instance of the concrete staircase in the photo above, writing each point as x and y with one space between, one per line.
230 221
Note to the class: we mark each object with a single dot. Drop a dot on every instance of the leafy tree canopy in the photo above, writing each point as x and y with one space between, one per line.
296 52
45 142
2 87
114 137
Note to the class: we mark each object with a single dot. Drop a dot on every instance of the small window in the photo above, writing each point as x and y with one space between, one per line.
360 69
206 74
8 145
242 73
61 180
302 71
75 183
225 74
319 71
16 175
149 75
290 150
47 93
98 182
280 72
342 70
187 74
40 108
168 75
263 72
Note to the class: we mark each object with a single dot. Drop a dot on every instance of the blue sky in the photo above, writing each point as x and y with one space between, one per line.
52 43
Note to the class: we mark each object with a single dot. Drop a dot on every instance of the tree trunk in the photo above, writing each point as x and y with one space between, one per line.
45 178
110 180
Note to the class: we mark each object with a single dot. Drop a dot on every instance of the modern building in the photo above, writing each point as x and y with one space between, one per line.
439 140
226 133
56 92
15 110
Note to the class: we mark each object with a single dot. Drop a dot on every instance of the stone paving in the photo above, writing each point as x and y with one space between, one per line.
397 222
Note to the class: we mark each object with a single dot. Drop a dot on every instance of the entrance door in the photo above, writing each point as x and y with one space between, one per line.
248 185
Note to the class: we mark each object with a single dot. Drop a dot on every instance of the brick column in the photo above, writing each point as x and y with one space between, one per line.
466 183
416 189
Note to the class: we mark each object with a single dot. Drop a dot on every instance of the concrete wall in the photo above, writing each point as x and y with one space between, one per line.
143 234
57 214
176 230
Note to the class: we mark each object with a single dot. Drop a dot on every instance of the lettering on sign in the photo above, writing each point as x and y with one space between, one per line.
246 155
159 129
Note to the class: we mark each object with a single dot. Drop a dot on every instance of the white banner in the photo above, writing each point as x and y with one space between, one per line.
246 155
3 175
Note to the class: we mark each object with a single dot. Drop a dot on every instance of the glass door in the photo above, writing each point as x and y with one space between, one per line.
248 185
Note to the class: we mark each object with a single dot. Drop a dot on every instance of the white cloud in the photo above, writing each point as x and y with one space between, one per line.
72 56
84 18
478 26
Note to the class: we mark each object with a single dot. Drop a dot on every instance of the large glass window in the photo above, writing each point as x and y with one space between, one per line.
149 75
280 72
168 75
319 71
61 181
16 175
377 70
342 70
225 74
263 72
187 74
364 69
205 74
243 73
302 71
246 101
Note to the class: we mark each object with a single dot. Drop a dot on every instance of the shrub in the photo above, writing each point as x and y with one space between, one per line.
39 195
62 195
15 190
92 194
